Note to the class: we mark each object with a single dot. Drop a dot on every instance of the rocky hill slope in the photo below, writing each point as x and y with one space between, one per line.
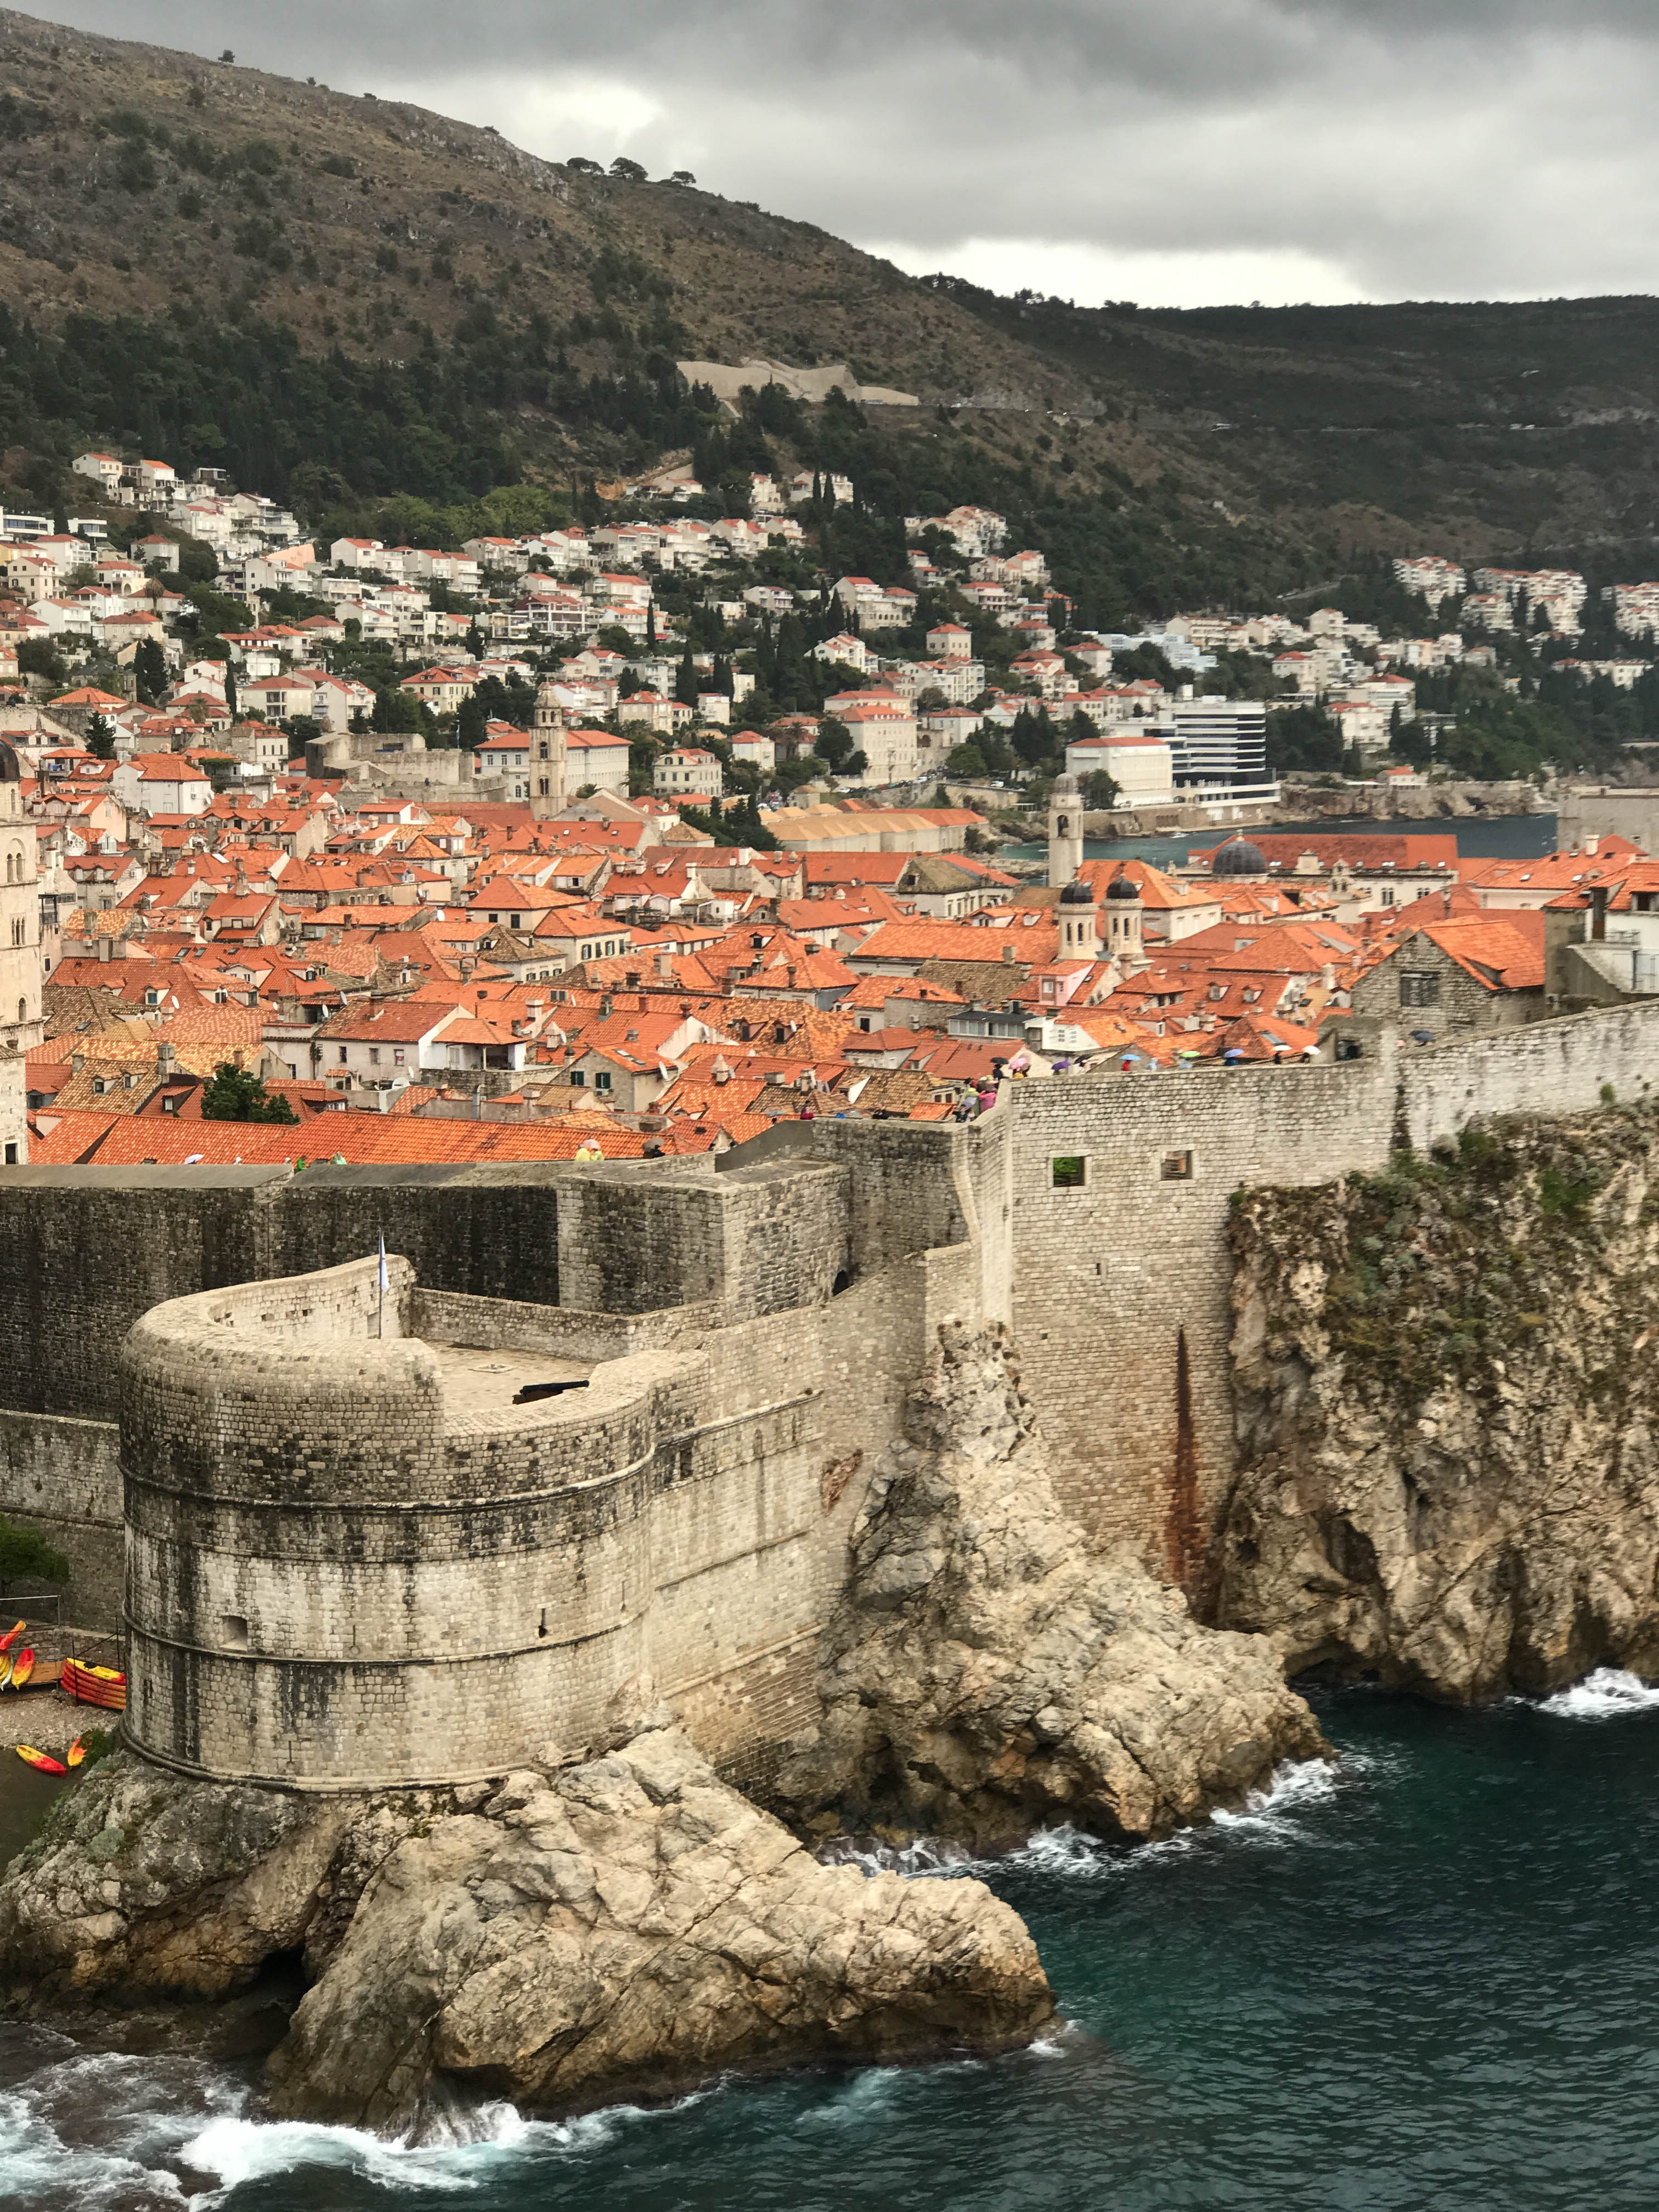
151 190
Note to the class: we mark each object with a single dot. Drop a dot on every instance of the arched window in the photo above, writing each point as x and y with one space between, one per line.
22 1010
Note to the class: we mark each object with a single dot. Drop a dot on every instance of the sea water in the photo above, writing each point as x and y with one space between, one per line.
1421 1980
1481 837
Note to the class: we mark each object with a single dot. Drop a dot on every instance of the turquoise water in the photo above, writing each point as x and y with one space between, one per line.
1425 1979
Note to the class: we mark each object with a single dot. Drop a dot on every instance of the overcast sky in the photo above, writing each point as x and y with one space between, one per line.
1175 152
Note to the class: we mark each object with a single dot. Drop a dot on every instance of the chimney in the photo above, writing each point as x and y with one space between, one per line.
77 1062
166 1057
665 965
105 945
1591 842
1009 956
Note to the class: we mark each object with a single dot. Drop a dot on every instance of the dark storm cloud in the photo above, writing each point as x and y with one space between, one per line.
1160 147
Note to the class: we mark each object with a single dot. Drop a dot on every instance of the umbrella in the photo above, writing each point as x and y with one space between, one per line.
1422 1037
1234 1051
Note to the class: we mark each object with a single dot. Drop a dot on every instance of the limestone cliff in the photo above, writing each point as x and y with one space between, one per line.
1445 1381
624 1925
984 1674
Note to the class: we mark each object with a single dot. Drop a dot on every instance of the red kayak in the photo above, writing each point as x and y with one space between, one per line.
12 1635
95 1685
24 1669
43 1759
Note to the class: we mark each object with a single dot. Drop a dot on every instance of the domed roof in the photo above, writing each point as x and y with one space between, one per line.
1121 888
1238 857
1077 893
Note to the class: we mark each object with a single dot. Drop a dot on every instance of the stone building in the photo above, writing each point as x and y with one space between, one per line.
20 976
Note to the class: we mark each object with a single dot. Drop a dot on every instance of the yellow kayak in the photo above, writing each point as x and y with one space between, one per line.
76 1752
23 1669
43 1759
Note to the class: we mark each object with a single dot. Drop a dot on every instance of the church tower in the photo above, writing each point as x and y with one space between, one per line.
1124 914
547 758
1079 925
1065 830
20 960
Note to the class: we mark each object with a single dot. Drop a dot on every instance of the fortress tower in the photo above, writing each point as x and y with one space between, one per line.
20 959
547 761
1065 830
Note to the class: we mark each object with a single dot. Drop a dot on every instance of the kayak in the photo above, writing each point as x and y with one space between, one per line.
95 1685
12 1635
76 1752
43 1759
5 1668
23 1667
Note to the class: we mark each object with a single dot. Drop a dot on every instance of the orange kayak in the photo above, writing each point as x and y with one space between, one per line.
23 1669
12 1635
43 1759
76 1752
95 1685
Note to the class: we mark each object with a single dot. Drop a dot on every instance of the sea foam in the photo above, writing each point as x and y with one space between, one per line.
1610 1693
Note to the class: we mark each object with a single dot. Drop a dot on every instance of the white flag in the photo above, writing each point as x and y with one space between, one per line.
383 1264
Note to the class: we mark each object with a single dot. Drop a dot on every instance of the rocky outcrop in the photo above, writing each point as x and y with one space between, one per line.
983 1673
1445 1380
620 1926
628 1928
145 1884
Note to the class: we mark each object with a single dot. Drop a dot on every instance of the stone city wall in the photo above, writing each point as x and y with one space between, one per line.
64 1477
1121 1269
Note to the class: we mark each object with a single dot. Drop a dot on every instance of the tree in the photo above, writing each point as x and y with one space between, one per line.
1099 790
686 680
230 690
472 724
39 656
237 1094
150 670
100 738
682 177
630 172
26 1556
834 744
397 712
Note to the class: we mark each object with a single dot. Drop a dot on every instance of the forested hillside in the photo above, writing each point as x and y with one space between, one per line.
400 322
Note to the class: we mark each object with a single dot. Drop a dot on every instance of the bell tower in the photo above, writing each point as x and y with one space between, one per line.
547 758
1065 830
20 960
1124 912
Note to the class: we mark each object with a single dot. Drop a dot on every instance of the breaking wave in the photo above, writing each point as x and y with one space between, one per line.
1072 1854
1610 1693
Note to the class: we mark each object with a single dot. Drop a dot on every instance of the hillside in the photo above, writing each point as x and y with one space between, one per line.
343 299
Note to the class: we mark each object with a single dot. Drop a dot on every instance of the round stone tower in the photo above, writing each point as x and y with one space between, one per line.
1065 830
352 1562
